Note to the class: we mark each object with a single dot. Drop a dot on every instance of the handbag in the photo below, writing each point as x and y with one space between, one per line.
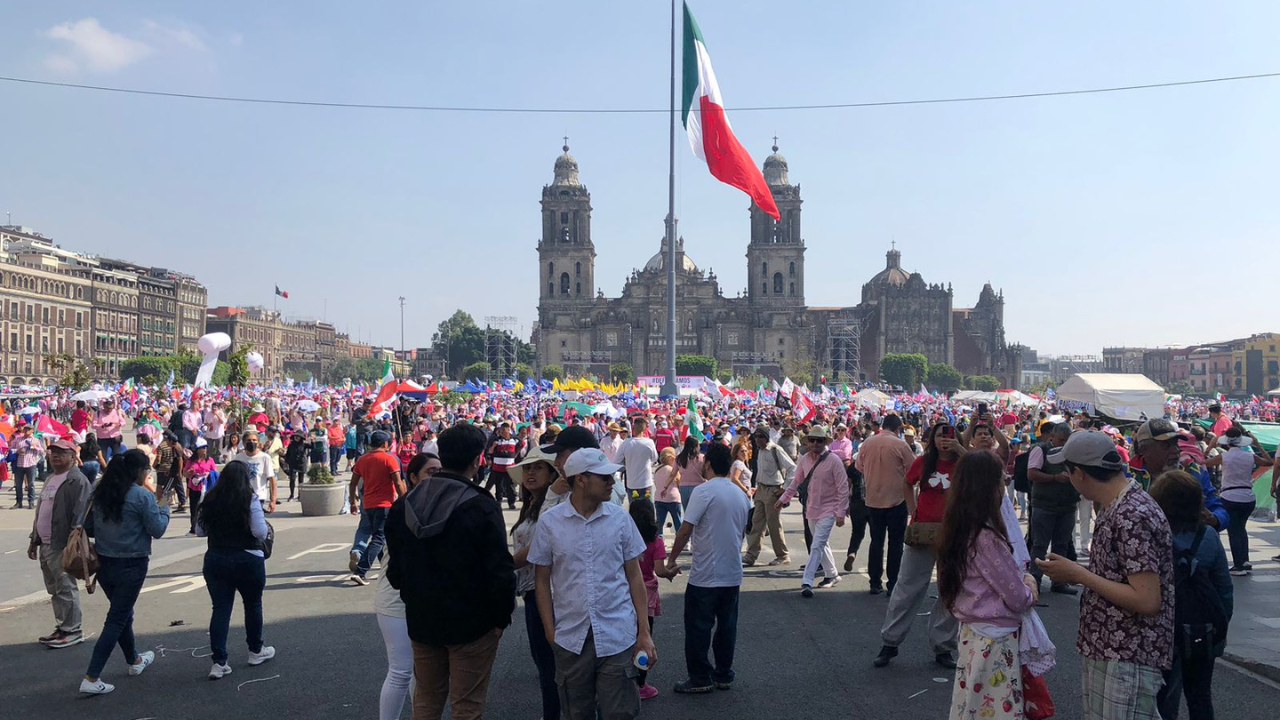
922 534
79 557
268 543
1036 702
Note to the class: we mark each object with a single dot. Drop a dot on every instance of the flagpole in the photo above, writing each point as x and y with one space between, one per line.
669 388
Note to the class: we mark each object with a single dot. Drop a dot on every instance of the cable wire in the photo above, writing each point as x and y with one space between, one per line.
626 111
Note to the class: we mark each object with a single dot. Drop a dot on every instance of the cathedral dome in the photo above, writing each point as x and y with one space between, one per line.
775 169
683 262
566 169
892 274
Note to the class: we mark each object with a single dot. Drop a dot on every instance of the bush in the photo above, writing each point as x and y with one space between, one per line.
696 365
318 474
622 372
906 369
476 370
553 372
983 383
945 378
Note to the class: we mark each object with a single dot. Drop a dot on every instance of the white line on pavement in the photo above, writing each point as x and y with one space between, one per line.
321 548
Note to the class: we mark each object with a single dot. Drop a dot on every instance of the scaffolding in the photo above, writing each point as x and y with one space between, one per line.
500 345
844 349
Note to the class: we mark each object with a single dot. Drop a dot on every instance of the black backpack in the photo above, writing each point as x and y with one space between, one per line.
1021 481
1199 619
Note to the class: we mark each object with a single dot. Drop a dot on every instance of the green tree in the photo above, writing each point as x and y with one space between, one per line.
523 371
553 372
463 342
945 378
725 376
359 370
75 374
906 369
622 372
982 383
452 398
696 365
148 370
1180 387
478 370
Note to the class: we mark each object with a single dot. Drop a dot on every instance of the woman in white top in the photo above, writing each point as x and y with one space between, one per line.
740 471
1238 461
387 604
536 474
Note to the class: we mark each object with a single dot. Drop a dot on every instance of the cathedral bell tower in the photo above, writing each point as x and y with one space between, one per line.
565 252
775 257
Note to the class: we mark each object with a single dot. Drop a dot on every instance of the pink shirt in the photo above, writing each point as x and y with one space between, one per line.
44 511
108 425
654 553
992 592
666 484
828 487
691 474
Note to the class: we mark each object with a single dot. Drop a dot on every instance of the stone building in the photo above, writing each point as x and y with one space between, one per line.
768 329
45 310
300 349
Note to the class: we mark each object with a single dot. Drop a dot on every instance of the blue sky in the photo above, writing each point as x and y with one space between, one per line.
1149 217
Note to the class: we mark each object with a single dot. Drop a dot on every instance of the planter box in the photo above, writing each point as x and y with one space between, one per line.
322 499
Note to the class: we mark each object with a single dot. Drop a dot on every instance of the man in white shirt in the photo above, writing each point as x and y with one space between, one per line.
715 518
262 472
586 554
611 444
215 427
639 455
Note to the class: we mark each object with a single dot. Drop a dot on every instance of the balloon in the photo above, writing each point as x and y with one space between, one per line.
256 363
214 343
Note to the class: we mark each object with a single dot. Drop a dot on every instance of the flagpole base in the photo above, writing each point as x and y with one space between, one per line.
669 390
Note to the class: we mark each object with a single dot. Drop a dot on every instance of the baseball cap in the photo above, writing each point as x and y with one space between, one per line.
573 437
589 460
379 437
1091 448
1156 429
64 444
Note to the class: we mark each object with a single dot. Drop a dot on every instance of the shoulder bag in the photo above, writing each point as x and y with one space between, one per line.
79 558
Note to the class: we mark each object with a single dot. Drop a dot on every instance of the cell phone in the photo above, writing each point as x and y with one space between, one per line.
947 431
982 409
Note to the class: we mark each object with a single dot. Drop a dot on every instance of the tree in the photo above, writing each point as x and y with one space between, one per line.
553 372
359 370
725 376
800 370
478 370
945 378
149 370
696 365
622 372
523 371
1180 387
983 383
906 369
75 374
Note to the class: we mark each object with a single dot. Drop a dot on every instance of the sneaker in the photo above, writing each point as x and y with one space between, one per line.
887 653
57 632
748 563
945 660
144 661
359 579
1247 566
875 590
848 562
217 672
65 639
266 653
806 591
827 582
779 561
95 688
1239 572
354 561
648 692
724 685
690 687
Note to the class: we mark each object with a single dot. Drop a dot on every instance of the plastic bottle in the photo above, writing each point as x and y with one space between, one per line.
641 660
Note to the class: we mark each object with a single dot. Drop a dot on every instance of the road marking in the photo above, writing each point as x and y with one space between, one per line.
5 610
192 582
10 552
321 548
246 682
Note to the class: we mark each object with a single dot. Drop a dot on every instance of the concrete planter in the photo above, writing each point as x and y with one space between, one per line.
322 499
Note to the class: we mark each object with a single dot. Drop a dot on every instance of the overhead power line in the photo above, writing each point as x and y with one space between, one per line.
625 111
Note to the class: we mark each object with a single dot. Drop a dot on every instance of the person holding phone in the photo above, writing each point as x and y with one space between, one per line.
108 424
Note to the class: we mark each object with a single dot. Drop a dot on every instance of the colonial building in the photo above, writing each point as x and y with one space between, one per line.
300 349
770 329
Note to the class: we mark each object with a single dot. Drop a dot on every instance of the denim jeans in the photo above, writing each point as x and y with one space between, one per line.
27 476
91 468
892 522
121 580
227 572
335 454
370 537
1237 534
543 657
110 447
1192 678
704 609
673 509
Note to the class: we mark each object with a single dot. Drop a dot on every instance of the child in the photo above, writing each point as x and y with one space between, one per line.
652 568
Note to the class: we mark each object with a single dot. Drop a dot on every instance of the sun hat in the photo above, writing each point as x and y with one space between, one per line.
817 432
536 455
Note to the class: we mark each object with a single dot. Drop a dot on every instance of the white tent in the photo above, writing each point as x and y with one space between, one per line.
973 397
871 397
1117 396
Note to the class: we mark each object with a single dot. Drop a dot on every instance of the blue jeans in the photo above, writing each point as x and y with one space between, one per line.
1237 532
370 537
227 572
121 580
705 609
335 454
674 509
25 475
543 657
90 468
686 492
110 447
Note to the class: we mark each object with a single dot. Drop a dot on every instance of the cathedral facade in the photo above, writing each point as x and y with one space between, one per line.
770 329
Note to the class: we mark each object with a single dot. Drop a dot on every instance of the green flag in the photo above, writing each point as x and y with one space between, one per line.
694 422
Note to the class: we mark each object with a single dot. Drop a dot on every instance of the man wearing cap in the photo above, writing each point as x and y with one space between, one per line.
1126 612
1156 443
586 554
574 437
108 425
1054 502
380 472
772 468
639 455
819 474
30 451
62 506
502 452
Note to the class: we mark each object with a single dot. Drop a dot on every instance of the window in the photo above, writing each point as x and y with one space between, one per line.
62 318
782 341
562 343
564 218
689 325
13 341
564 283
793 289
764 287
551 269
577 289
551 287
31 313
777 283
30 347
792 270
577 269
44 317
764 270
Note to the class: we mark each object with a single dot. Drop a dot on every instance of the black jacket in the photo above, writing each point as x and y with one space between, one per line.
449 559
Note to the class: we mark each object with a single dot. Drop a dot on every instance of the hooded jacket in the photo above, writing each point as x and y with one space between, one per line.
450 562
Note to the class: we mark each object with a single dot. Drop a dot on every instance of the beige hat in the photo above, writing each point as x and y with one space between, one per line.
818 431
535 455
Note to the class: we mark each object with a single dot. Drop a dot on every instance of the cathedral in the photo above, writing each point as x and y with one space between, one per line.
770 330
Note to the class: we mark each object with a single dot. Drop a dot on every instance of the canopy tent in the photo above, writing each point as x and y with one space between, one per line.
1114 395
871 397
1268 434
1017 398
972 397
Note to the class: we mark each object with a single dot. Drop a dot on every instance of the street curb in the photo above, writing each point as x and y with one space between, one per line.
1269 672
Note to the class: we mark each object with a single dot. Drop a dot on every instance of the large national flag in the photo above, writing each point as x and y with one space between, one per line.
802 407
386 390
693 420
704 119
282 293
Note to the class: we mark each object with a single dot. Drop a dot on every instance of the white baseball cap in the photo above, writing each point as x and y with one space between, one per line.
589 460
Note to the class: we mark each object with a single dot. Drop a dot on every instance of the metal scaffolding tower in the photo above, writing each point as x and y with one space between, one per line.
844 348
500 345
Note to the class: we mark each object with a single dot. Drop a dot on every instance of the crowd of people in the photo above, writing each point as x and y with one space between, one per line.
610 500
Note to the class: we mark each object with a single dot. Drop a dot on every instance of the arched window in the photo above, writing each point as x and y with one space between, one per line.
577 269
764 287
793 288
764 270
777 283
551 287
551 269
689 325
564 283
564 218
577 289
792 270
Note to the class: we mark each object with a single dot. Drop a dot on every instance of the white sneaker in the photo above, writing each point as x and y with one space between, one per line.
95 688
144 661
354 562
266 653
217 672
359 579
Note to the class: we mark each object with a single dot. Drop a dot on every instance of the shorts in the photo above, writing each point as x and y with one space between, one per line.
351 453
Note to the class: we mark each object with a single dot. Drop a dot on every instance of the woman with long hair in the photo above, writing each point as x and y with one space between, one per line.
231 517
231 445
124 519
689 465
91 460
666 487
535 474
985 588
740 471
387 605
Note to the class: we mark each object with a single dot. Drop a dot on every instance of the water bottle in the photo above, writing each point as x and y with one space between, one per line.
642 660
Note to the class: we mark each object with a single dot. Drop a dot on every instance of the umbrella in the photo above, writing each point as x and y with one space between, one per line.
308 405
91 396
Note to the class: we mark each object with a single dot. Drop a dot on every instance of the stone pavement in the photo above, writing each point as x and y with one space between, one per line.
1253 640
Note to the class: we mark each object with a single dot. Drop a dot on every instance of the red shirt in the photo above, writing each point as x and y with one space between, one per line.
376 469
663 439
931 503
80 420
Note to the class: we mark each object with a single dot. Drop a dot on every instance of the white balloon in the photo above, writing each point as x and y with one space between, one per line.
256 363
214 343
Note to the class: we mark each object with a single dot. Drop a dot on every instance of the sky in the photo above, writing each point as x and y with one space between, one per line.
1140 218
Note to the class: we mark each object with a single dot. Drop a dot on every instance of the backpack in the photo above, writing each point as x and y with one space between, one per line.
1199 620
1021 481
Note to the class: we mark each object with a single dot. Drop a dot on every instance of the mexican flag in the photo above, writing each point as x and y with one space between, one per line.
693 421
386 390
710 136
